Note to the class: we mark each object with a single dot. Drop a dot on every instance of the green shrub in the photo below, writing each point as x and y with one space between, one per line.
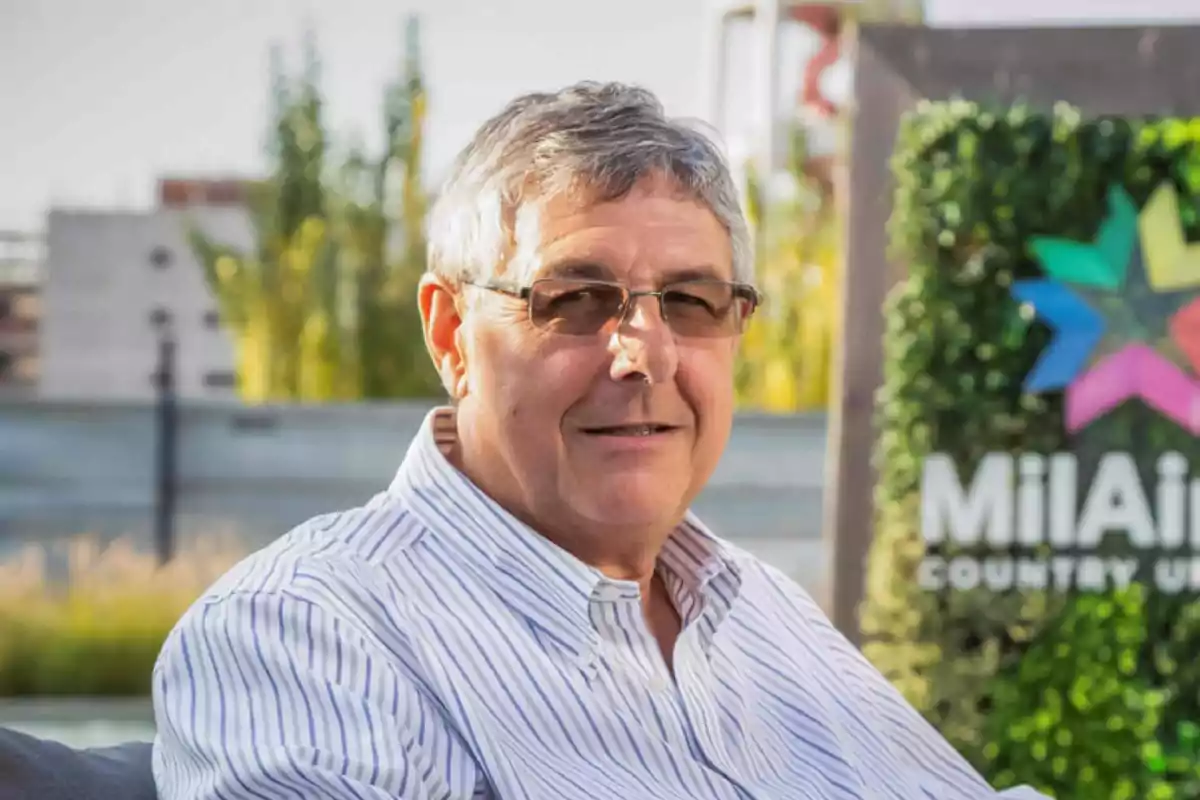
98 632
1083 696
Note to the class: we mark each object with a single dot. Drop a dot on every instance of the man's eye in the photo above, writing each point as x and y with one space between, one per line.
690 300
595 295
576 296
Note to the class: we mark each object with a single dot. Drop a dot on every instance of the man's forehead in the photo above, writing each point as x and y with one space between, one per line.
563 237
601 268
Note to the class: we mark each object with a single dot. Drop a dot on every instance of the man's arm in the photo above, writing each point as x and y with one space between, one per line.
917 743
268 695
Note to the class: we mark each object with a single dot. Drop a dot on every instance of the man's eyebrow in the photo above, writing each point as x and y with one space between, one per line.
588 269
705 272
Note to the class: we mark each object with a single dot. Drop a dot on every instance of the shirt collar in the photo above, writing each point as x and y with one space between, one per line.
550 587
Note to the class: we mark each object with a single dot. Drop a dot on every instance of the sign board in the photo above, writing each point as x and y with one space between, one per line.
1125 311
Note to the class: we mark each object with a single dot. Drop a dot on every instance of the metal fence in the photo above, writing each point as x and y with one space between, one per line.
71 468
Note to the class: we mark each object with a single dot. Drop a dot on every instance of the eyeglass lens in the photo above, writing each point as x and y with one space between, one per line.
692 308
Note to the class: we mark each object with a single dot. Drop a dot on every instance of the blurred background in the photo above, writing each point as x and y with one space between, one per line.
210 235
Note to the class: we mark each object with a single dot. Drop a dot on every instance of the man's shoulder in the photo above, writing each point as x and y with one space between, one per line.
344 545
770 583
770 593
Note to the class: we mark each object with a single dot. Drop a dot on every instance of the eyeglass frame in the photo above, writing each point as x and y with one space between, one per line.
525 294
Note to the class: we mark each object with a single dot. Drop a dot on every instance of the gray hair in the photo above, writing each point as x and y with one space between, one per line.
599 139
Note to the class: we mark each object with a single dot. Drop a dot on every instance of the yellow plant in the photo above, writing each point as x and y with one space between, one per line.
785 359
98 628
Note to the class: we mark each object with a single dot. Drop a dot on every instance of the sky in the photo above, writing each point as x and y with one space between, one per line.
99 97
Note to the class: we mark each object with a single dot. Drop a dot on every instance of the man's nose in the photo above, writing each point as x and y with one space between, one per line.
642 344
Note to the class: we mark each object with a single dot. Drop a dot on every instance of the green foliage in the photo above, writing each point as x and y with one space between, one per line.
1083 696
390 345
1072 715
71 662
99 629
325 308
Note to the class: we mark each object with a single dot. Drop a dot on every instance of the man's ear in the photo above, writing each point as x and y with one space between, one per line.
441 321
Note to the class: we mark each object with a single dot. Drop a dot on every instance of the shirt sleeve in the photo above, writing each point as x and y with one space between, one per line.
267 695
919 747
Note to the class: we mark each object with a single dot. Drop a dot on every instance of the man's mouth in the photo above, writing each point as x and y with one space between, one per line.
644 429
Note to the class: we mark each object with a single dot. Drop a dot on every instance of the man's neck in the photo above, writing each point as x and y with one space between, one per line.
636 562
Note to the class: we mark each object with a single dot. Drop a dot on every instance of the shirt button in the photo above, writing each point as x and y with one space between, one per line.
658 684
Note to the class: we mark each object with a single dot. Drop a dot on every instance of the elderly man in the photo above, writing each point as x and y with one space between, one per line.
529 610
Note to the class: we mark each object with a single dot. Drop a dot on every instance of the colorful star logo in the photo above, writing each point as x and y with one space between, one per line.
1105 314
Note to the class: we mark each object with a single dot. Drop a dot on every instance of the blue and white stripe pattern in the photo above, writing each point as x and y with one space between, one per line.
428 646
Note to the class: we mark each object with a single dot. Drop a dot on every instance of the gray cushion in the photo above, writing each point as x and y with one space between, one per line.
36 769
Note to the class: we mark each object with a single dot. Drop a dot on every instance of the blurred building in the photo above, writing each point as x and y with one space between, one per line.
1073 13
202 193
776 69
21 257
113 277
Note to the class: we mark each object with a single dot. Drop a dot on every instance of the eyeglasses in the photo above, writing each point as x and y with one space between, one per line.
698 308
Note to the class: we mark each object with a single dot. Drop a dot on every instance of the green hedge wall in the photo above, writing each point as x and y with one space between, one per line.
1083 696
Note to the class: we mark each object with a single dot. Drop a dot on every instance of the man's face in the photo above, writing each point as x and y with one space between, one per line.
544 410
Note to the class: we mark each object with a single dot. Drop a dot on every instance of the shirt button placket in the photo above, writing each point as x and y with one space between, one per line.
695 689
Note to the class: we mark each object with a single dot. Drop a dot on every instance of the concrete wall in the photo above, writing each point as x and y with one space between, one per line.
101 287
68 468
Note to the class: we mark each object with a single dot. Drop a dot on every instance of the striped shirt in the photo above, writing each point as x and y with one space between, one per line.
427 645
